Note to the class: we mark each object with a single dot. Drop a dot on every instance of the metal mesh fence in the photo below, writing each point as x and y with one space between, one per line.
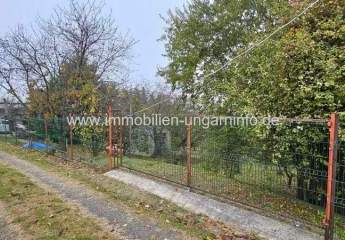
339 201
55 137
157 150
279 168
235 162
89 145
273 168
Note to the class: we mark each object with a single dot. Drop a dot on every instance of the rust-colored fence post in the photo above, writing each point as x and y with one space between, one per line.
117 138
189 151
331 176
110 137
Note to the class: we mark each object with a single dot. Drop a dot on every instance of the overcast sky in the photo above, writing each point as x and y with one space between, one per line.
139 17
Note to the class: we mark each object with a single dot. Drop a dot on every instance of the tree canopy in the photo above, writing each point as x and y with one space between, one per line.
297 72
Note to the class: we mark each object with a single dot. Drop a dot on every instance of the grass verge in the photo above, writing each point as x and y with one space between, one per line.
41 214
167 214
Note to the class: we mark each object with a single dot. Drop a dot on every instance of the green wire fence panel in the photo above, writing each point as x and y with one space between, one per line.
270 167
262 166
156 150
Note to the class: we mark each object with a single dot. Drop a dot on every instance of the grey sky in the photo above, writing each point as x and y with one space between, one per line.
139 17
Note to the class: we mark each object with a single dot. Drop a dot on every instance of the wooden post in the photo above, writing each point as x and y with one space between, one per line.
110 137
189 151
331 176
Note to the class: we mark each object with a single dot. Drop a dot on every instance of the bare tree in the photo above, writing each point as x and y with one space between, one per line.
30 60
90 36
27 64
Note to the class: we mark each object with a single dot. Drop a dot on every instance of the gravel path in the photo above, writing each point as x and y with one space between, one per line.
128 225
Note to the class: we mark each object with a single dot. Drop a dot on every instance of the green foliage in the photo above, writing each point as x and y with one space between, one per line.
298 72
223 149
92 137
203 36
310 83
314 61
140 141
83 99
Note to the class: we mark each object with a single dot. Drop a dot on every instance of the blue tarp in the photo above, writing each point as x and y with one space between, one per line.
38 146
